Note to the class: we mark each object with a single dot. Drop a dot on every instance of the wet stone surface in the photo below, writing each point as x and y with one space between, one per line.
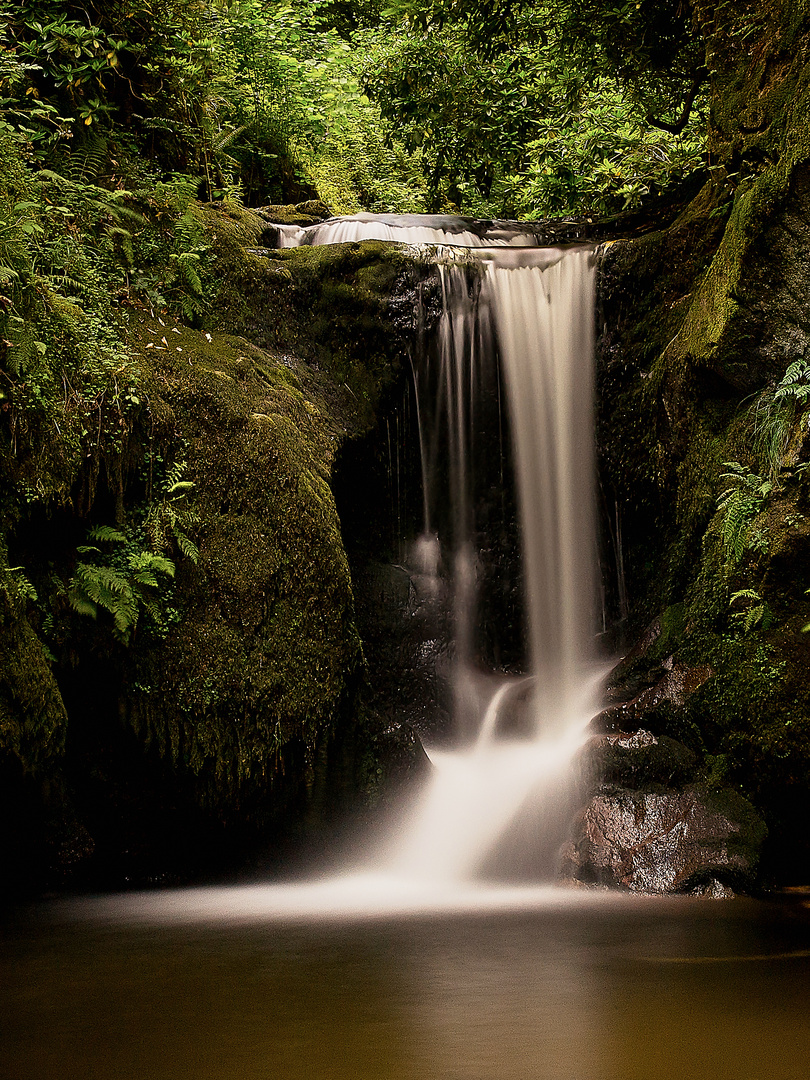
664 841
635 760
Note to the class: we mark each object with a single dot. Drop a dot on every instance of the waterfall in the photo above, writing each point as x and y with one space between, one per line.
519 316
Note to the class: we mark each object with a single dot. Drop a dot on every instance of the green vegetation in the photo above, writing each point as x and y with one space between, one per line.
544 108
170 553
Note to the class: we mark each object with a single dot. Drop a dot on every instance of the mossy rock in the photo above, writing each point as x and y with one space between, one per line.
332 305
33 720
311 212
265 658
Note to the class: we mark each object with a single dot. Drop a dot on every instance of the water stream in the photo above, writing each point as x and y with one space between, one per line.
521 315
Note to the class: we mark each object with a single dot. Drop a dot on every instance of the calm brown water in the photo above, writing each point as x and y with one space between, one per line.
596 988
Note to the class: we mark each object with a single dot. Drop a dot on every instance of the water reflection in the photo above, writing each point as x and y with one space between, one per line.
601 988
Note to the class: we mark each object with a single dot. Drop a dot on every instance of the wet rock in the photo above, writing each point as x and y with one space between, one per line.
675 686
666 842
623 681
714 889
636 760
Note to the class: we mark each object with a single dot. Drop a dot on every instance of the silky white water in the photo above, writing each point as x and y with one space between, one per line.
533 313
485 831
497 790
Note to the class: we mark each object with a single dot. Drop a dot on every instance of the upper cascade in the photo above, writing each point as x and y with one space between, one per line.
417 229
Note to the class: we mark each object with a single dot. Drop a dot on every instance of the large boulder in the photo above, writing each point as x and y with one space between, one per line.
665 841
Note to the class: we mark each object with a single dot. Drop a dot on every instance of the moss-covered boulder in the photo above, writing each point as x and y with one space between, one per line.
263 660
331 305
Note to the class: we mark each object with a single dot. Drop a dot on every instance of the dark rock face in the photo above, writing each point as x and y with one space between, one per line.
675 686
666 841
637 759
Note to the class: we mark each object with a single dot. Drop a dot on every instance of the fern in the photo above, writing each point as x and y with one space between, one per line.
756 614
795 384
16 587
126 584
67 286
106 534
122 241
187 546
171 516
739 504
149 561
90 159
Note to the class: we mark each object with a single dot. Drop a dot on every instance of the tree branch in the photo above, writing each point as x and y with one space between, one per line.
686 112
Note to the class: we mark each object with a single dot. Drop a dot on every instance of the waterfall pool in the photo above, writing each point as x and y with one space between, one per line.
294 982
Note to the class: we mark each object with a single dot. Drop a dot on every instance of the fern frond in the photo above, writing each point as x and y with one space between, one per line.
124 239
745 594
106 533
175 474
124 213
65 284
191 307
739 508
152 609
187 546
125 616
89 160
144 577
227 138
79 602
149 561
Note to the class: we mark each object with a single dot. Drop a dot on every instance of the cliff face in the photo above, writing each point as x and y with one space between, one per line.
703 431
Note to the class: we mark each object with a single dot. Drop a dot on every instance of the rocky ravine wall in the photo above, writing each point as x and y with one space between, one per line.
701 323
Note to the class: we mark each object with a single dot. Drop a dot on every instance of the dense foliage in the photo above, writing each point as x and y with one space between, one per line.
543 108
497 108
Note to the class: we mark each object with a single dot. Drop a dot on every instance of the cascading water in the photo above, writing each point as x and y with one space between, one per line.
535 313
518 318
529 310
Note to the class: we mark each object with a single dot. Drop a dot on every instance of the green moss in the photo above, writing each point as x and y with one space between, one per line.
716 329
301 214
265 658
329 304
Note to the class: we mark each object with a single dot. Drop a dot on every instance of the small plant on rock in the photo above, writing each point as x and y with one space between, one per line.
123 579
755 615
740 504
